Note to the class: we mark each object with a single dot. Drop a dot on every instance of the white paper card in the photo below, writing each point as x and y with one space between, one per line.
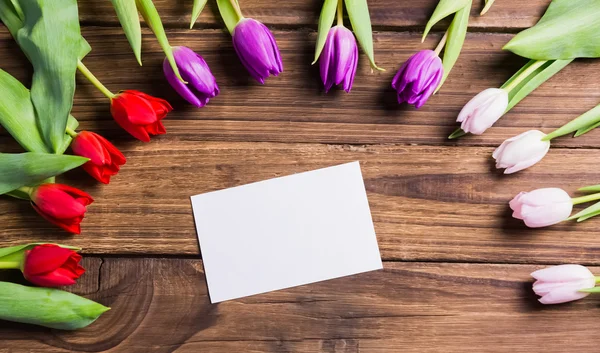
285 232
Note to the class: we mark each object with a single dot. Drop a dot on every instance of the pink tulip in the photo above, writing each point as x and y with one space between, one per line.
483 110
542 207
561 284
522 151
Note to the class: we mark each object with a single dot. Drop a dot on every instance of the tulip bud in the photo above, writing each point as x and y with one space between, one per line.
47 307
542 207
257 49
62 205
483 110
563 283
522 151
50 265
418 78
139 114
105 159
339 58
201 83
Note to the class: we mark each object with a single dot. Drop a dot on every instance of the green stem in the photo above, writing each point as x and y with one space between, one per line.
340 13
586 119
90 76
237 9
71 132
6 265
441 44
586 198
536 65
597 279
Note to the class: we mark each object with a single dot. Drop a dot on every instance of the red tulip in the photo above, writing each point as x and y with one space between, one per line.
105 158
139 114
49 265
61 205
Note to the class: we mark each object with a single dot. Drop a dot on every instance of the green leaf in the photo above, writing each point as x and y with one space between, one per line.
586 129
51 25
585 120
486 8
534 80
456 37
17 114
358 12
47 307
72 124
568 30
325 23
148 11
11 16
444 9
130 21
229 14
17 170
196 10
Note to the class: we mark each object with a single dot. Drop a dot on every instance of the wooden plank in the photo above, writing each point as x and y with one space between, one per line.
161 305
504 15
293 107
428 203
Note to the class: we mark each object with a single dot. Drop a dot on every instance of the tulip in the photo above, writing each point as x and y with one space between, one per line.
61 205
522 151
339 58
139 114
418 78
49 265
542 207
105 159
201 83
257 49
483 110
563 283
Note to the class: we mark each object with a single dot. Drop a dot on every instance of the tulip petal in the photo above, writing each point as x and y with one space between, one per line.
45 258
562 273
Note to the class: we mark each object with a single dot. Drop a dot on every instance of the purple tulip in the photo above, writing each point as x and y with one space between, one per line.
418 78
201 83
339 58
257 49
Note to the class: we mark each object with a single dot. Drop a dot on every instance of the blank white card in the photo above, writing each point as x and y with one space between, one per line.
285 232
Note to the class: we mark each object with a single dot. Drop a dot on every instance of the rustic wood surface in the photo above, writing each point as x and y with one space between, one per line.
456 265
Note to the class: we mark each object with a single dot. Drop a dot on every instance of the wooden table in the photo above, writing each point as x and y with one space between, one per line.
456 265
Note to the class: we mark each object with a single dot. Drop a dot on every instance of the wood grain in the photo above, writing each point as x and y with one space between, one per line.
428 203
293 107
161 305
504 15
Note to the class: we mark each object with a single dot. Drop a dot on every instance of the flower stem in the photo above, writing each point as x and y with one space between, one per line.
536 65
586 198
90 76
441 44
5 265
71 132
237 9
340 13
586 119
